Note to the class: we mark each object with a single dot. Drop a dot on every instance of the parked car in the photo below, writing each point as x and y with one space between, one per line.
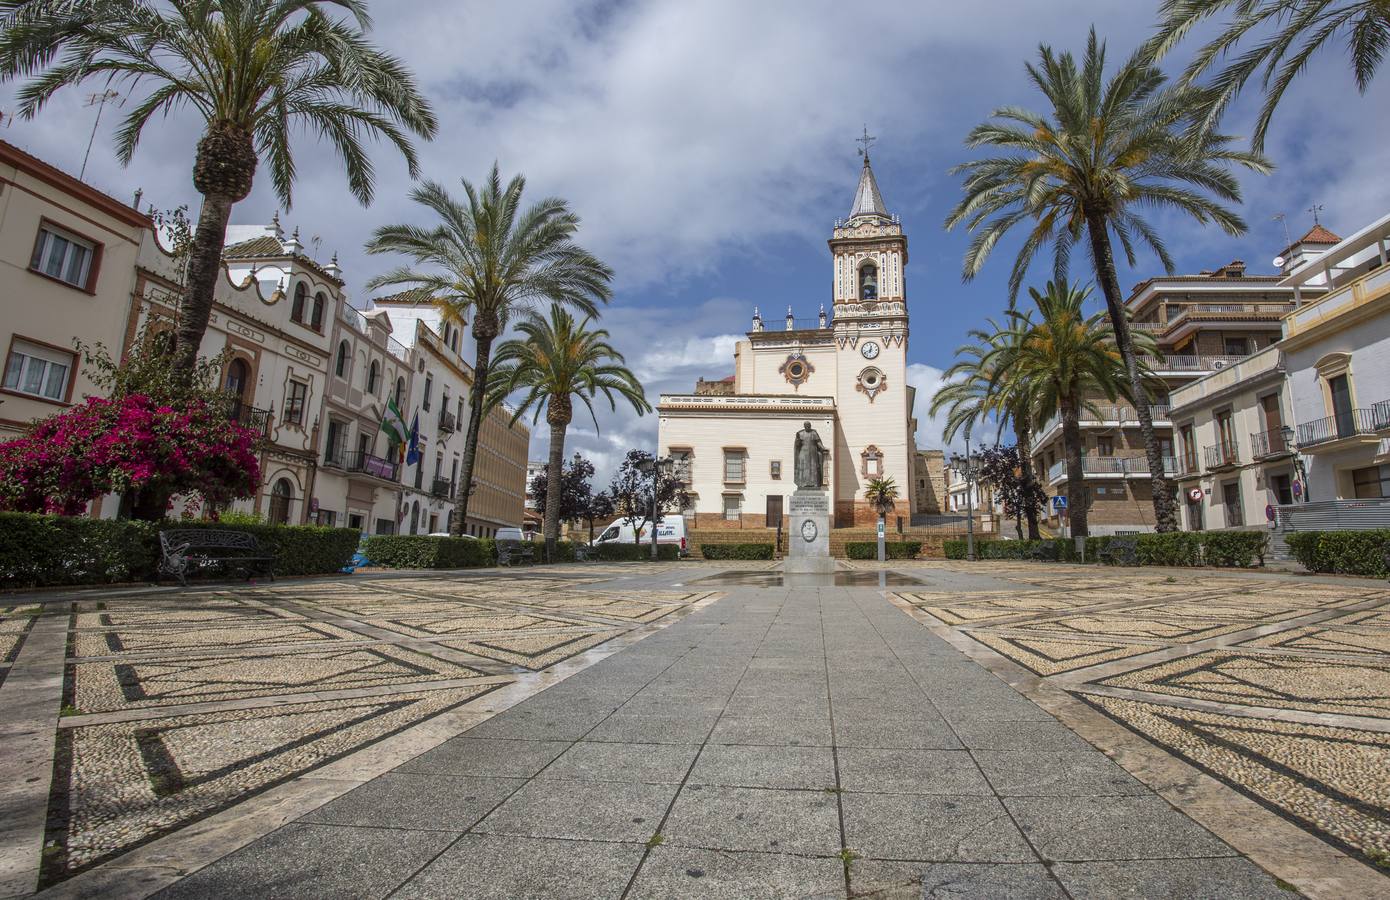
447 534
511 534
669 530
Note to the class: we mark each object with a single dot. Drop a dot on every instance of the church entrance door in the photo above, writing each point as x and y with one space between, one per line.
774 510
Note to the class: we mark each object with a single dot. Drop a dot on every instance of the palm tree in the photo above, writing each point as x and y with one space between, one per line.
881 492
491 260
1109 150
975 391
254 70
1298 31
554 361
1068 359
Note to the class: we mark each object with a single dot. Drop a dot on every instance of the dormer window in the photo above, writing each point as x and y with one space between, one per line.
868 282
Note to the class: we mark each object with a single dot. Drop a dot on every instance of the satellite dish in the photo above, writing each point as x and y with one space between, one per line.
1278 262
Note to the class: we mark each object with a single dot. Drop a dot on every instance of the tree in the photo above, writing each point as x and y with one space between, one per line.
554 361
490 261
1299 30
1068 358
576 493
881 492
975 392
1008 472
1109 150
632 493
600 506
254 70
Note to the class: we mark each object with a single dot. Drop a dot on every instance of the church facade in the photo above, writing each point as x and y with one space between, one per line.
845 373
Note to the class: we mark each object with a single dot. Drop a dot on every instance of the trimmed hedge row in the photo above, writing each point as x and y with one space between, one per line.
624 552
891 549
737 551
39 550
1342 552
417 551
1233 549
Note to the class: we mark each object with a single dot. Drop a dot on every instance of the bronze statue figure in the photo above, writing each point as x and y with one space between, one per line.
808 455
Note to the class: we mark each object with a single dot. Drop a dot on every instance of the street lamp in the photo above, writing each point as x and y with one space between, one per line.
1286 432
655 467
964 466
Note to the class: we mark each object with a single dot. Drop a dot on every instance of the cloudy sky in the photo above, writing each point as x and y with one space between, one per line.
709 146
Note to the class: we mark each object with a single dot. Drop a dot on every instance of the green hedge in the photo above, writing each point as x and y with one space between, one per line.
415 551
1175 548
625 552
38 551
891 549
1341 552
737 551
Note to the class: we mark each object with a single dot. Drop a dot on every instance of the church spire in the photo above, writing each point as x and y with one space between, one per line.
867 200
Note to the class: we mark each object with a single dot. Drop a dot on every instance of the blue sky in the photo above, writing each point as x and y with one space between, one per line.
709 146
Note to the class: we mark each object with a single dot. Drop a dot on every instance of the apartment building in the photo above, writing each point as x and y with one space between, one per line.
67 260
1202 324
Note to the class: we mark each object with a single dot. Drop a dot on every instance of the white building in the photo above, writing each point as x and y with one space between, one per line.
845 373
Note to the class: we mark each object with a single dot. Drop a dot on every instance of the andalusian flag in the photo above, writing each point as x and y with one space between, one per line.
393 423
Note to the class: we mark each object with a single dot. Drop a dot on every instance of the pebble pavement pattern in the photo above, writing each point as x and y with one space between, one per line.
1281 689
178 705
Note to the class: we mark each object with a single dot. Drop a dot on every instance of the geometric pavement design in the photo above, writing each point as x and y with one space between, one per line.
1278 687
177 706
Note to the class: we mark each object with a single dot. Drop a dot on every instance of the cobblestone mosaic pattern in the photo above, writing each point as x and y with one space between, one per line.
1277 686
175 706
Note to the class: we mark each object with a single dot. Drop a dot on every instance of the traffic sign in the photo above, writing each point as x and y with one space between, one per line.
1059 502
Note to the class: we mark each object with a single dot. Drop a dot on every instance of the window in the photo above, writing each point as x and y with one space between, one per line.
1283 489
280 496
1230 499
340 367
733 506
400 391
1226 434
64 256
328 518
355 521
459 418
316 318
429 386
1105 446
38 371
681 461
1340 389
610 534
301 294
373 378
1371 482
337 437
775 469
733 465
296 398
1237 346
1189 449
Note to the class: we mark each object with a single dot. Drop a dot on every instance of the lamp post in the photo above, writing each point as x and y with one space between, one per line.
656 467
965 466
1287 433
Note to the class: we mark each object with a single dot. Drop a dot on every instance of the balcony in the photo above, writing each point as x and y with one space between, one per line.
1269 444
1225 455
1354 425
1106 416
357 462
447 423
442 489
1183 363
254 418
1186 466
1120 466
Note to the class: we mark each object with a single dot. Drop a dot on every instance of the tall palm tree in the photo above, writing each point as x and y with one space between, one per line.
1284 34
254 70
491 260
975 391
1109 150
1069 359
554 361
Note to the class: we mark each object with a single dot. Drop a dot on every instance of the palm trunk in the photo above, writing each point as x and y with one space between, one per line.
484 339
1164 501
553 483
1076 485
1023 440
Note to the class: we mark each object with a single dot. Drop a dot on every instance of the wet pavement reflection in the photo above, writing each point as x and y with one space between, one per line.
882 579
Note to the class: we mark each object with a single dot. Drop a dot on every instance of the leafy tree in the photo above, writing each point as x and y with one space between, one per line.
489 261
975 392
253 70
631 491
600 507
552 362
1290 33
1109 150
881 493
1009 473
1068 358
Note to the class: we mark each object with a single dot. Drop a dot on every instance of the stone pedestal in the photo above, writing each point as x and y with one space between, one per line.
808 544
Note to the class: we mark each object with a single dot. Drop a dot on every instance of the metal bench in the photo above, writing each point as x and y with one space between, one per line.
186 551
510 552
1121 551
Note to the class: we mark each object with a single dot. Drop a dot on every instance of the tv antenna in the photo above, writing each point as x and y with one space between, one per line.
99 101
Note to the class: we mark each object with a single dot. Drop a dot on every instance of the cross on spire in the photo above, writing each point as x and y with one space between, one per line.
1315 209
866 140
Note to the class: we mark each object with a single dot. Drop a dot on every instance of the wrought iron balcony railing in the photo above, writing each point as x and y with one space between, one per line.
1345 424
254 418
447 423
1268 443
357 461
442 488
1222 455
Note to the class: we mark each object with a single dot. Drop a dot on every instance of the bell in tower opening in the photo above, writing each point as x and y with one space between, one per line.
868 282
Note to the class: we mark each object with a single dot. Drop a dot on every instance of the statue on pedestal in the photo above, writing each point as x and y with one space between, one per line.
808 455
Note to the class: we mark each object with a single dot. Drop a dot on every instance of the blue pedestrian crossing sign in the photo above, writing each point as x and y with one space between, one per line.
1059 502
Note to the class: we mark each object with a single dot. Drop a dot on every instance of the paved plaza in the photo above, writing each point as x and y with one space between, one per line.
935 729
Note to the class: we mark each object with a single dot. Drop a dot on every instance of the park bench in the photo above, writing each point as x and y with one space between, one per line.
510 552
1121 551
186 551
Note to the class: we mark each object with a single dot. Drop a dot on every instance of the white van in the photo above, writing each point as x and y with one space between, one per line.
669 530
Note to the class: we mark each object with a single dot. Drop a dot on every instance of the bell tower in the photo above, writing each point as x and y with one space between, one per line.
874 402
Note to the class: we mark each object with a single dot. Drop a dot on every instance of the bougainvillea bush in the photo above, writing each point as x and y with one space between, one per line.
135 445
